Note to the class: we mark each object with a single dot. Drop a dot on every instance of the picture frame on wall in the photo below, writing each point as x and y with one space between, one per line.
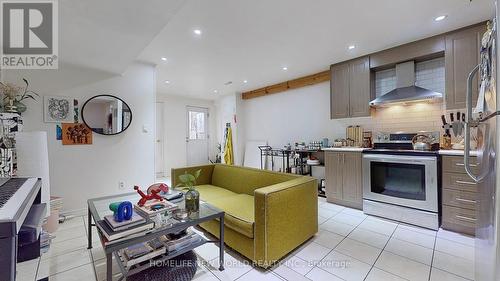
58 109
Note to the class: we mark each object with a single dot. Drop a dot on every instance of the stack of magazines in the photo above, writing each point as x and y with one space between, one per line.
142 252
175 242
151 208
166 244
113 230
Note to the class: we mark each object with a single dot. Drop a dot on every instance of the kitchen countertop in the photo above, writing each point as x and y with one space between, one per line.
351 149
457 152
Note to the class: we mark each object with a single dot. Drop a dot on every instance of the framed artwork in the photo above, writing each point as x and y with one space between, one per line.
58 132
58 109
76 134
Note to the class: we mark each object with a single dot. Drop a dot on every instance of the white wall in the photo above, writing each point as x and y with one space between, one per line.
175 128
296 115
80 172
304 115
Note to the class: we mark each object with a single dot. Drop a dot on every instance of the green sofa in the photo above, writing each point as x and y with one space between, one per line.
267 214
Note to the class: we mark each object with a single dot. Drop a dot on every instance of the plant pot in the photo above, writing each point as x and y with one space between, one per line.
192 200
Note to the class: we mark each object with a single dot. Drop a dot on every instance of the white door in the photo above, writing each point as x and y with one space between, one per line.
197 135
159 147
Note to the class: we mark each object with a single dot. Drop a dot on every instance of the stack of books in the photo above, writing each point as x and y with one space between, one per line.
142 252
175 243
113 230
151 208
166 244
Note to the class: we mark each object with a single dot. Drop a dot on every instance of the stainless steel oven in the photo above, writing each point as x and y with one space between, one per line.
403 180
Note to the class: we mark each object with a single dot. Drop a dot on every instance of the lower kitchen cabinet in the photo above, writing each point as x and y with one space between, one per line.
459 196
343 178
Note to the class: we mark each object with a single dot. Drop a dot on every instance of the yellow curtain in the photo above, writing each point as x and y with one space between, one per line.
228 149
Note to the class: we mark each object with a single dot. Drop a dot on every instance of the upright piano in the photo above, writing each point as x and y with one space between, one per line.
20 207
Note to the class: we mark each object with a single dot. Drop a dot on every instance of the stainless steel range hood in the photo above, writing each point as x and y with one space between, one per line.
406 91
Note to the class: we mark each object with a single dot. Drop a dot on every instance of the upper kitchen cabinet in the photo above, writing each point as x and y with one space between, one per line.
461 56
359 87
339 91
350 89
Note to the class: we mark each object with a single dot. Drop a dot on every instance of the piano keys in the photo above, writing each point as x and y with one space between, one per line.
17 197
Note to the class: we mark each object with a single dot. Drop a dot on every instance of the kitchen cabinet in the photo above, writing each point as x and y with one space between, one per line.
343 178
461 56
350 89
459 195
339 91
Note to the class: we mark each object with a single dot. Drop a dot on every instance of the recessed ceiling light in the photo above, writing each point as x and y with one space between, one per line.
197 32
167 82
351 47
245 81
285 68
440 18
164 59
215 91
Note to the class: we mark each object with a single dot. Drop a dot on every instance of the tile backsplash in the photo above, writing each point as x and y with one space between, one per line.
428 74
414 117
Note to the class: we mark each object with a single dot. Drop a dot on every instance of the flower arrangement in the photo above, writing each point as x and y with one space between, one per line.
13 96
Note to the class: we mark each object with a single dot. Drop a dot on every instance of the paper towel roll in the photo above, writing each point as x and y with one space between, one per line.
33 160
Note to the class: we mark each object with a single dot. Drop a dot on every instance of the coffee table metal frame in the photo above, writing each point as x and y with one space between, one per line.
114 247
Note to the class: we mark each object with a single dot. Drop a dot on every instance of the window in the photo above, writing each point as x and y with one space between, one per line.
197 125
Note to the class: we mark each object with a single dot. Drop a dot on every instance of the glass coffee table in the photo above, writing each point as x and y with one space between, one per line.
99 207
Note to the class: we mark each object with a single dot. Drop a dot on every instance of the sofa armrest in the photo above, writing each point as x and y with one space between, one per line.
205 175
286 215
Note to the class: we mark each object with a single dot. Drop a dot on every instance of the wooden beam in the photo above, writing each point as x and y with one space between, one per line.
288 85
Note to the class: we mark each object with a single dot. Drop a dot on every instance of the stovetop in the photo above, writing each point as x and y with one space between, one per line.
401 144
402 152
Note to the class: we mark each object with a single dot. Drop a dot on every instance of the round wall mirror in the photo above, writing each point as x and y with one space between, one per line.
106 114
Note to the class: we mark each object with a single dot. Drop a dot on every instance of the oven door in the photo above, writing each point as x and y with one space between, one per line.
408 181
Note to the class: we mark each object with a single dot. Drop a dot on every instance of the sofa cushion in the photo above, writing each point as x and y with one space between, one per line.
239 211
210 192
246 180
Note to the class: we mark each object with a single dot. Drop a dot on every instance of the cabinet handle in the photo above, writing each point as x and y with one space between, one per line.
465 182
343 158
462 164
466 200
465 218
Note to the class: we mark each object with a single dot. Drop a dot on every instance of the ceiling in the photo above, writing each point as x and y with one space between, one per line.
253 40
109 35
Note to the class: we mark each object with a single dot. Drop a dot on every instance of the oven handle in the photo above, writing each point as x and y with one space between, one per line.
398 158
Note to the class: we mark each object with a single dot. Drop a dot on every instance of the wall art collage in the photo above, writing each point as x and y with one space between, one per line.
65 111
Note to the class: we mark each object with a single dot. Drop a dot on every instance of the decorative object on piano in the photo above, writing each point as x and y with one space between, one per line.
122 211
147 197
76 134
59 109
10 124
192 196
13 96
58 132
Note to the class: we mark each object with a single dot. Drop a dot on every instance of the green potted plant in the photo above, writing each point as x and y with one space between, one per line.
192 196
13 96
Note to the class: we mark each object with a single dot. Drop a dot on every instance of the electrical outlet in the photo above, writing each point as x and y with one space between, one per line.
121 185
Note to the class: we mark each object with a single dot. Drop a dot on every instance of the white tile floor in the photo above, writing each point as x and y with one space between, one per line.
349 246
